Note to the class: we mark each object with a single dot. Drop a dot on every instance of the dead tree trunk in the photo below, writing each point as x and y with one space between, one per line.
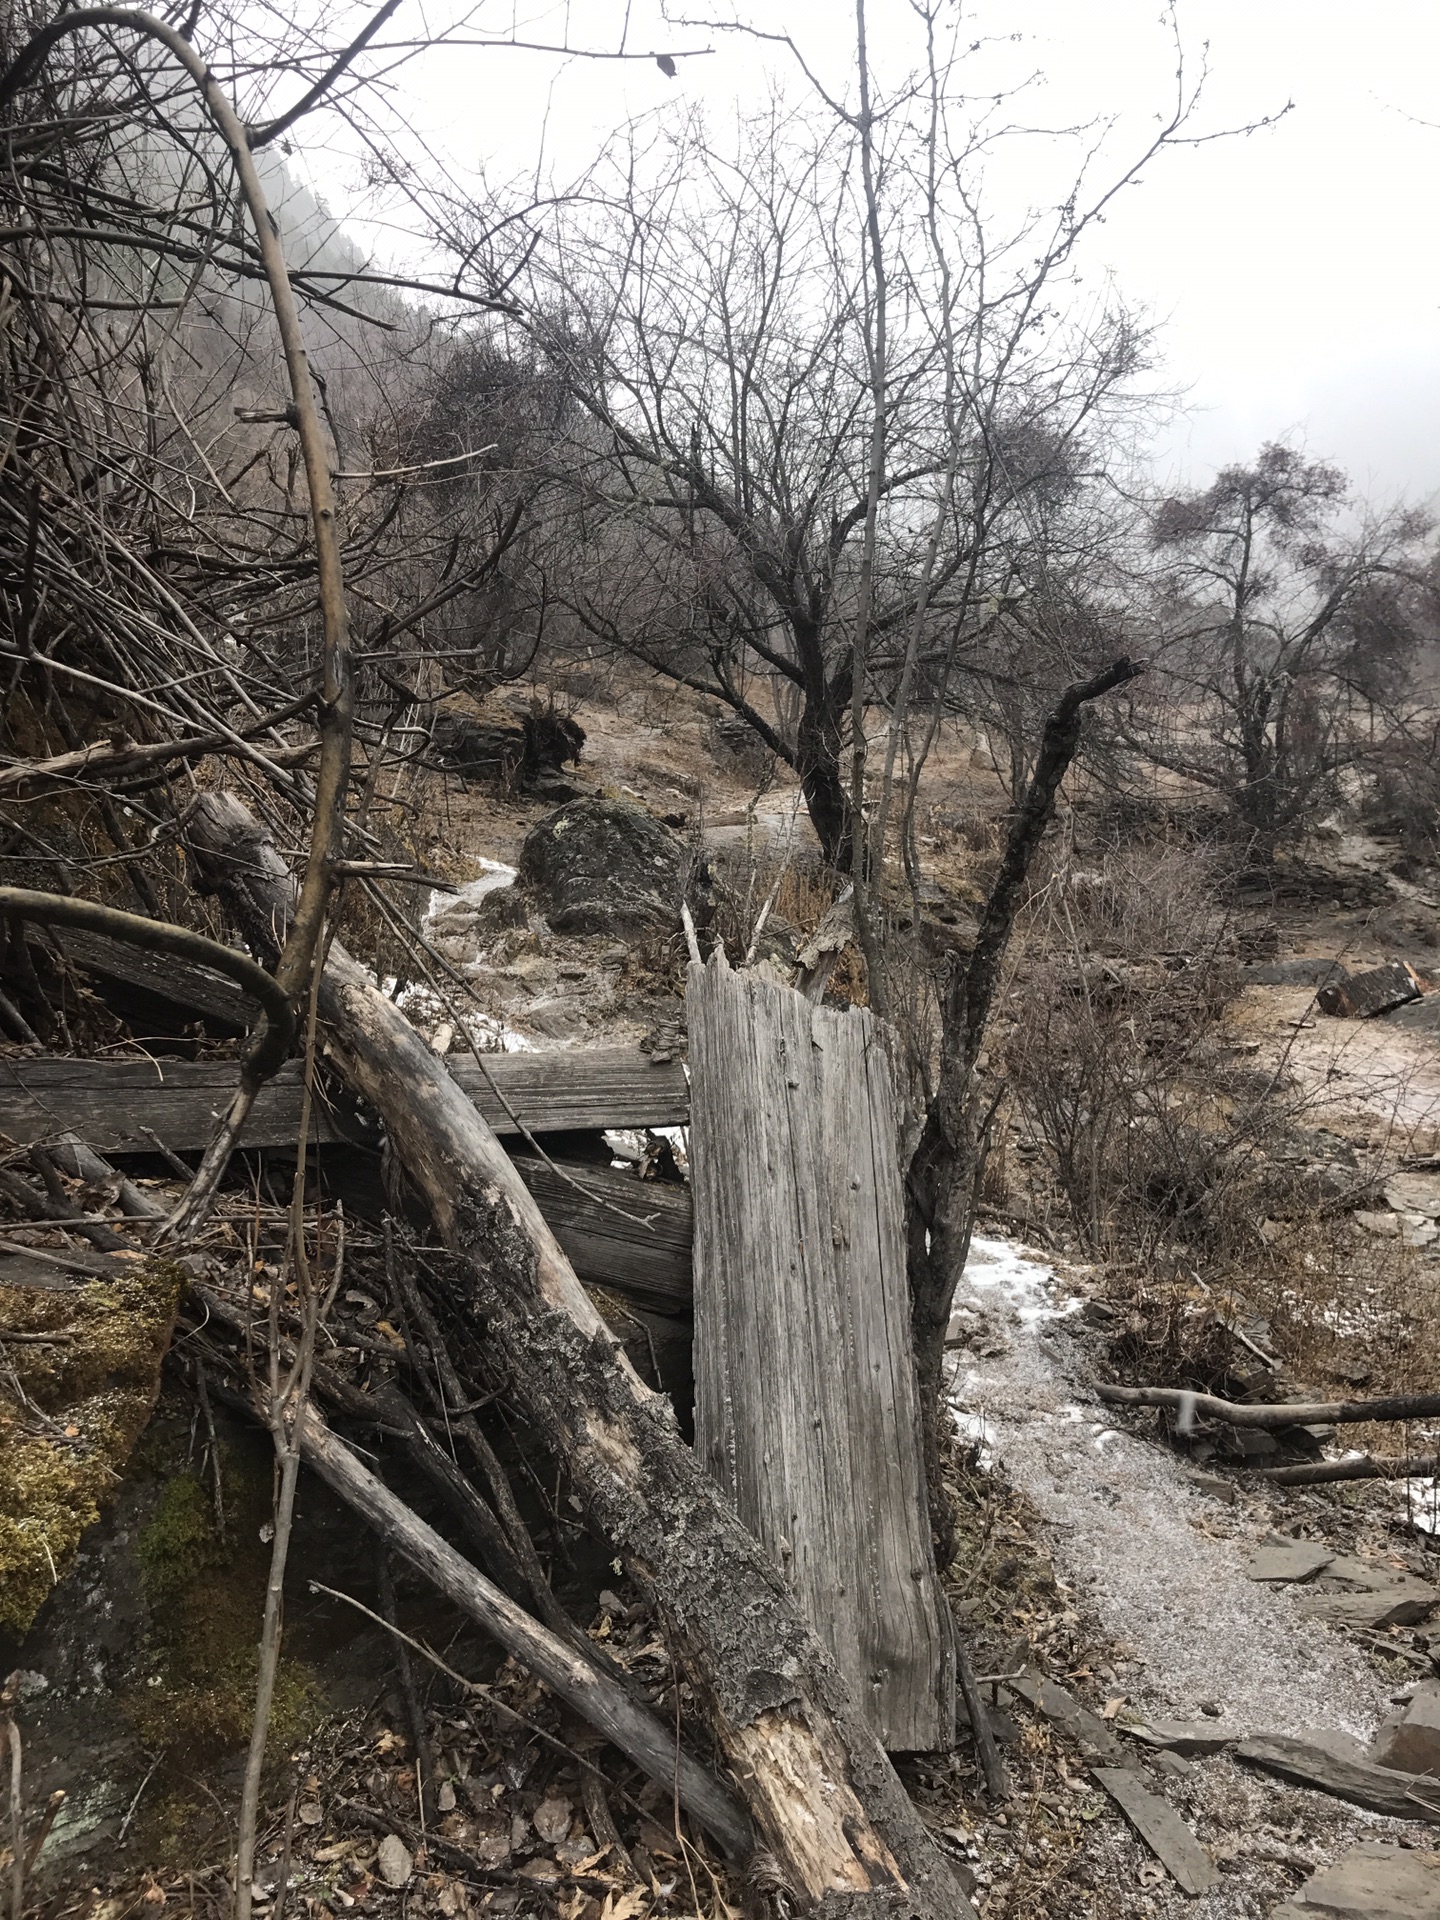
805 1408
825 1797
945 1170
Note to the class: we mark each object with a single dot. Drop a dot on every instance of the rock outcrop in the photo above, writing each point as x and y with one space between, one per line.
605 867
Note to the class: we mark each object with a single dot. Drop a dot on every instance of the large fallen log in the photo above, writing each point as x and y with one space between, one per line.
830 1808
1364 1466
1314 1413
124 1106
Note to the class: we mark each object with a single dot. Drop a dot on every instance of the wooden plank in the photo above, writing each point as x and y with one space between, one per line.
632 1235
805 1396
1162 1830
179 981
111 1103
577 1089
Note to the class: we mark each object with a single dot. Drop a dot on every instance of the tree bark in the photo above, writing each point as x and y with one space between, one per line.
945 1170
822 1791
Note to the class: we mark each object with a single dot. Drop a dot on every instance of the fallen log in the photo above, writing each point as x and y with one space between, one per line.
1366 1466
834 1815
1326 1413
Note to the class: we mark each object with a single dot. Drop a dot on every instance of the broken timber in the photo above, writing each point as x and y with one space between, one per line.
840 1826
1361 996
806 1409
117 1105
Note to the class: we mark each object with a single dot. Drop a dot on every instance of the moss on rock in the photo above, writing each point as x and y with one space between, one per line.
206 1596
72 1407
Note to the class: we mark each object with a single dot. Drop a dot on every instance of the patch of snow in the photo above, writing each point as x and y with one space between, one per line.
494 875
1025 1286
1160 1564
1422 1505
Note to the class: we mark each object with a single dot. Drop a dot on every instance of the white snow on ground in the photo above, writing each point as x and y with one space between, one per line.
422 1004
1422 1505
495 875
1143 1546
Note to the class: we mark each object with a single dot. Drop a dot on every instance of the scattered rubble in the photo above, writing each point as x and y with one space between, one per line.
1336 1763
1374 1881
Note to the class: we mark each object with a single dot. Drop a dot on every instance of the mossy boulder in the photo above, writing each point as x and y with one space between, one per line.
80 1388
205 1590
602 866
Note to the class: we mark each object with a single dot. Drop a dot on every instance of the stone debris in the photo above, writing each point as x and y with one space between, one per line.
393 1862
1363 995
1374 1881
1359 1593
1161 1828
1060 1707
1417 1193
1334 1763
1411 1741
1282 1560
1188 1736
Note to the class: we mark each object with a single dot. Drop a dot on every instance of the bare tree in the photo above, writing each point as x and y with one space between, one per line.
823 397
1287 619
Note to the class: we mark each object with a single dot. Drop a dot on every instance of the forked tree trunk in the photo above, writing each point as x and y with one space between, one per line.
843 1832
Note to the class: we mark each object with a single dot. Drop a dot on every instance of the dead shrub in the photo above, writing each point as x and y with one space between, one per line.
1115 1059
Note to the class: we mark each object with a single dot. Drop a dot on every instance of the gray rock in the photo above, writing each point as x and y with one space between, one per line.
1412 1744
1188 1736
1374 1881
1161 1828
604 867
1328 1763
1417 1193
1216 1486
1287 1560
1295 973
1404 1604
1361 1593
393 1862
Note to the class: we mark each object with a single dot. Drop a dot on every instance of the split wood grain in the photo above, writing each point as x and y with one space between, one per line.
806 1410
117 1104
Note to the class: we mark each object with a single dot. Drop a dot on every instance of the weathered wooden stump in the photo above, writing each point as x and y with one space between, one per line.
806 1408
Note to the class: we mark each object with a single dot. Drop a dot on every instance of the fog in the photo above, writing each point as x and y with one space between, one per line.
1290 270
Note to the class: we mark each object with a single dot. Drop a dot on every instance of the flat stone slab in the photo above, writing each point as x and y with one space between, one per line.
1288 1560
1188 1736
1403 1603
1415 1193
1065 1711
1325 1763
1374 1881
1161 1828
1412 1742
1364 1593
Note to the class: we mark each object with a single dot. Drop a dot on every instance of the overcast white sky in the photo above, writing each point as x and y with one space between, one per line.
1295 273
